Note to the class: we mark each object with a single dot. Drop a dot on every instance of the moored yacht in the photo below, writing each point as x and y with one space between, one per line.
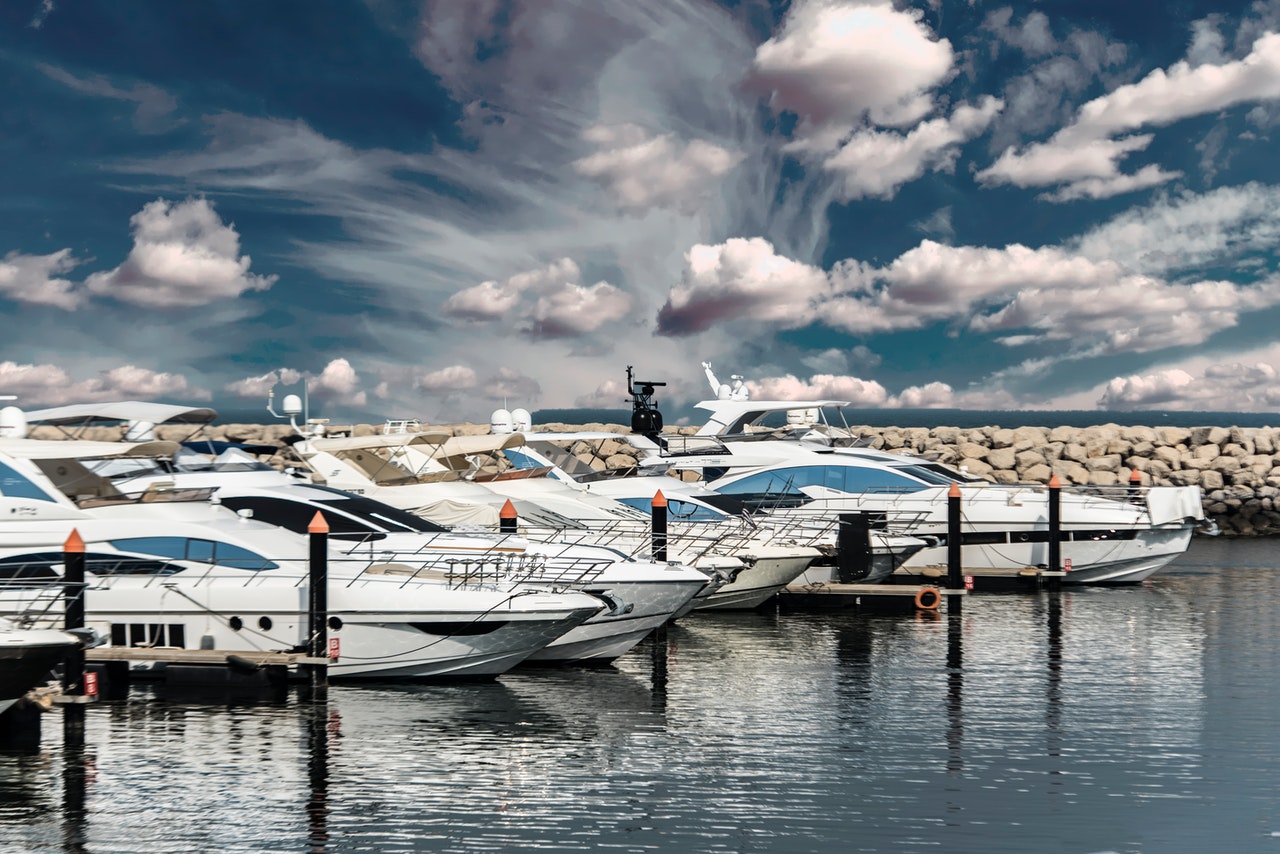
788 459
639 595
172 569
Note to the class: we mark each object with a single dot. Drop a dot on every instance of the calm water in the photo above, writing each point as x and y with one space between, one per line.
1139 719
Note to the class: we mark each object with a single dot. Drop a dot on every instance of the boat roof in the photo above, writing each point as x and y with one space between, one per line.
57 449
391 440
727 414
122 410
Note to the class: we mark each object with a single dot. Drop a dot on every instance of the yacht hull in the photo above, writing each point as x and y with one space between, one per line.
759 580
646 605
1126 561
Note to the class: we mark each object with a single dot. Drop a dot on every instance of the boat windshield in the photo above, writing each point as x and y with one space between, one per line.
937 474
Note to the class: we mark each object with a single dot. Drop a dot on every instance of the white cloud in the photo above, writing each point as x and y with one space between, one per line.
511 385
1086 154
483 302
43 11
857 391
611 394
51 385
338 377
1024 294
1187 231
574 310
338 382
559 307
836 64
1228 387
641 170
876 163
255 387
741 278
452 378
34 279
182 256
155 106
933 395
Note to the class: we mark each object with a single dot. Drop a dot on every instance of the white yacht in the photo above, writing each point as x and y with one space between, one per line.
640 595
28 655
808 466
168 568
415 472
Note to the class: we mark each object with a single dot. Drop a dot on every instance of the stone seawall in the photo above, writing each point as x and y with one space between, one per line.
1236 468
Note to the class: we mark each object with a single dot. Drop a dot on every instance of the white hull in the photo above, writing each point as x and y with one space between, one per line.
429 633
608 635
1092 561
758 581
1107 540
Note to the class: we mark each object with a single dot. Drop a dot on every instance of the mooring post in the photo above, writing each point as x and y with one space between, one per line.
955 572
1135 486
508 519
318 610
73 610
1055 530
658 525
853 547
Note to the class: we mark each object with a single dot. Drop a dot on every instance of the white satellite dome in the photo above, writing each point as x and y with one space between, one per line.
521 420
501 422
801 417
13 423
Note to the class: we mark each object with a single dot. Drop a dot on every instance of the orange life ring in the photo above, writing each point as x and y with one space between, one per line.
928 598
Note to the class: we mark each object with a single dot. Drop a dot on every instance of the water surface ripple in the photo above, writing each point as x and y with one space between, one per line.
1136 719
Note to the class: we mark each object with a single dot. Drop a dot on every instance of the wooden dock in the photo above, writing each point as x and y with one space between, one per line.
889 597
988 579
202 656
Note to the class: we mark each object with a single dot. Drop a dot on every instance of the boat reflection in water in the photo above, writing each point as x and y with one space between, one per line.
1029 722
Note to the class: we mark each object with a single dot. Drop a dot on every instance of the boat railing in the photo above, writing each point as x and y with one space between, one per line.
37 602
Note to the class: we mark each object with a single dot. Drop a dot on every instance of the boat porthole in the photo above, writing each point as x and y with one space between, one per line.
264 623
335 623
1023 537
236 624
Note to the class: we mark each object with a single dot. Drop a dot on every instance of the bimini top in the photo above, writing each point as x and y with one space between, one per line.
122 410
80 449
729 417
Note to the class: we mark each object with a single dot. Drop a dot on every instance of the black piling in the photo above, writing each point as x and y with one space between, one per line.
73 681
658 526
1055 531
318 600
508 519
853 547
955 572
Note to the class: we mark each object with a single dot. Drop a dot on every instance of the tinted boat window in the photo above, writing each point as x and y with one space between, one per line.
49 565
190 548
15 485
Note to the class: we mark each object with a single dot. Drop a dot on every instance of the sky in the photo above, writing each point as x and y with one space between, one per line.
435 209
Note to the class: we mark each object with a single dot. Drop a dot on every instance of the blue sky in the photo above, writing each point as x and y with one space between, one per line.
435 209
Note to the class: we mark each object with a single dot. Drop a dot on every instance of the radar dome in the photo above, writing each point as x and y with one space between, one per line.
13 423
521 420
501 422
